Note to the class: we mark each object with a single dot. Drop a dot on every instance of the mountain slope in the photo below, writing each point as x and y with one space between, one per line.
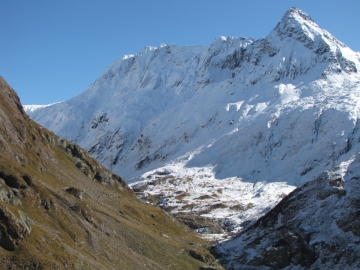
263 116
314 227
60 209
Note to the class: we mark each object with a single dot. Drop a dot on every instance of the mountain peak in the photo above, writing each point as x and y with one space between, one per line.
297 14
297 24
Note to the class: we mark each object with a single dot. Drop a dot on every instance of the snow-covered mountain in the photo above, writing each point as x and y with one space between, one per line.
237 124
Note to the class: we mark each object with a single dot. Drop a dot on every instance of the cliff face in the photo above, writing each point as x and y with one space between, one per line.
60 209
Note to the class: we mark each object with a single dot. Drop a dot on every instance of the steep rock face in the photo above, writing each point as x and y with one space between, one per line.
261 115
315 226
60 209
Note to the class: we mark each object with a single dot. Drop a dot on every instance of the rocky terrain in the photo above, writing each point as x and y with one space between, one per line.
315 227
60 209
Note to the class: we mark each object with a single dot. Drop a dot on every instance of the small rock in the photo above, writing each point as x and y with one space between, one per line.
77 193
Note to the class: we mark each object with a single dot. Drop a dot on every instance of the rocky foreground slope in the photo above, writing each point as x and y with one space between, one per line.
60 209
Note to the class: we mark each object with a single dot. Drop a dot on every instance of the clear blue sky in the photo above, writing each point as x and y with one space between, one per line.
53 50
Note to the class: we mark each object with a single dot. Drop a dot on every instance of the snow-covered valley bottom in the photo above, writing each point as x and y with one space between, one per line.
232 203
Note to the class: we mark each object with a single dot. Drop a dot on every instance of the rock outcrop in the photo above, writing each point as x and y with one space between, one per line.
12 229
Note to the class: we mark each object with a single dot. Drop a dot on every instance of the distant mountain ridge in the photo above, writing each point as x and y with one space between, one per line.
245 121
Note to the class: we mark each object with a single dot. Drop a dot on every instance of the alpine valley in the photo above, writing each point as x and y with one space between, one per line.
60 209
218 135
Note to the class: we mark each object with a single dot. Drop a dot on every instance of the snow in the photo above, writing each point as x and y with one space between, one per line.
32 108
195 182
254 118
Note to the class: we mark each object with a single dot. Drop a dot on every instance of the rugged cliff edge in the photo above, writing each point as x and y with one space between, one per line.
60 209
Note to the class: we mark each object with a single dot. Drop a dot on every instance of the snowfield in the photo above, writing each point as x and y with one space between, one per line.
225 130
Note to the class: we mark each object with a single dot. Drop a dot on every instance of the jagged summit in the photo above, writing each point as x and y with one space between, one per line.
299 25
280 55
295 13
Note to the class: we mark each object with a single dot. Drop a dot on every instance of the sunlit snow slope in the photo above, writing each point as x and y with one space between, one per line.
262 115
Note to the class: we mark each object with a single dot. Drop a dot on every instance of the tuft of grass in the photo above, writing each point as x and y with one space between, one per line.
204 197
152 199
217 206
237 207
249 206
181 196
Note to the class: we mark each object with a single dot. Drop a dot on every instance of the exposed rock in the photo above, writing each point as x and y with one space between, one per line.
9 195
77 193
195 221
140 188
91 169
13 181
202 257
12 229
46 202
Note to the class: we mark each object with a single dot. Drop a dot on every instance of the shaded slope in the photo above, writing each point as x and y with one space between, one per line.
60 209
315 227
